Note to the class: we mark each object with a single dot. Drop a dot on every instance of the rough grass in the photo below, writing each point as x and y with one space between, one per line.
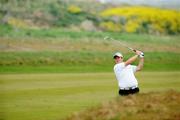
147 106
55 96
147 43
86 61
10 32
57 50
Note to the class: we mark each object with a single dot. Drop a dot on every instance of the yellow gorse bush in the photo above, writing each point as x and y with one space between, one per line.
18 23
131 26
110 26
138 17
74 9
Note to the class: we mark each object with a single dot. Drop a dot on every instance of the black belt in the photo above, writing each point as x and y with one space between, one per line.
129 88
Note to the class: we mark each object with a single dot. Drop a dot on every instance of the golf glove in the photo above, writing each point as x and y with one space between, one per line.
141 55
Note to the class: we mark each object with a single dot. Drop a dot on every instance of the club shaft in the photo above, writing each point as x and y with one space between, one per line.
124 45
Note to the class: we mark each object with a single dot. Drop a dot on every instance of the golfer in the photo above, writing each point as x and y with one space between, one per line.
124 72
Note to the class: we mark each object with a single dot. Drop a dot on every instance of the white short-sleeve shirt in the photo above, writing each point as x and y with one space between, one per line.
125 75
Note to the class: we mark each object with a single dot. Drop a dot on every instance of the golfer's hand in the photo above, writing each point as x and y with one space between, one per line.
140 53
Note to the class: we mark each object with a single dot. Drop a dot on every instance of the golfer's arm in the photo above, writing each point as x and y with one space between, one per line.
140 65
130 60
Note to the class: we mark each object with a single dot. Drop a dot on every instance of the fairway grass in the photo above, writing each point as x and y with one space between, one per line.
55 96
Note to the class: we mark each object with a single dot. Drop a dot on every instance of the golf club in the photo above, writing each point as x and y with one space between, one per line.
110 38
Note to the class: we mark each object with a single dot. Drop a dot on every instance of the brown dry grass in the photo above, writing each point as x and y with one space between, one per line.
146 106
66 44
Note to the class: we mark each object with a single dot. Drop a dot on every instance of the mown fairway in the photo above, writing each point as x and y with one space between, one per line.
55 96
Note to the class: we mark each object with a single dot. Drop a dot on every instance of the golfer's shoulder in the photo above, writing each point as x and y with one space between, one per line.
119 65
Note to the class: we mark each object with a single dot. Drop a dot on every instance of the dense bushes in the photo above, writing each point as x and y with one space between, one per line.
144 19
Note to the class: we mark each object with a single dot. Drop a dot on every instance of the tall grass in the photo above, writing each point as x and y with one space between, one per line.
140 107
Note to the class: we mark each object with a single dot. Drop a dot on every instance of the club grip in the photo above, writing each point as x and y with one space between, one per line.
134 50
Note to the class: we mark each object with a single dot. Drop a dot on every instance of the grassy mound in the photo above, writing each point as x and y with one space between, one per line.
55 50
30 62
146 106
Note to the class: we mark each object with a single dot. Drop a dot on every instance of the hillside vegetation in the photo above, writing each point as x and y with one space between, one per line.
143 19
79 15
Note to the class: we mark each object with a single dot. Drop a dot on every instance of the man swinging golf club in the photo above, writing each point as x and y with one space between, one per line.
124 72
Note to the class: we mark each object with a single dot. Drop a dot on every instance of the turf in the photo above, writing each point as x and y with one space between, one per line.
55 96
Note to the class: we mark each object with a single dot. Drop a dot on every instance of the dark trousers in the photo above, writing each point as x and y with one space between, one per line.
127 92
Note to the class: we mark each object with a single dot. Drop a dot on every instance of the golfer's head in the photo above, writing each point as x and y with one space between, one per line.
118 57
